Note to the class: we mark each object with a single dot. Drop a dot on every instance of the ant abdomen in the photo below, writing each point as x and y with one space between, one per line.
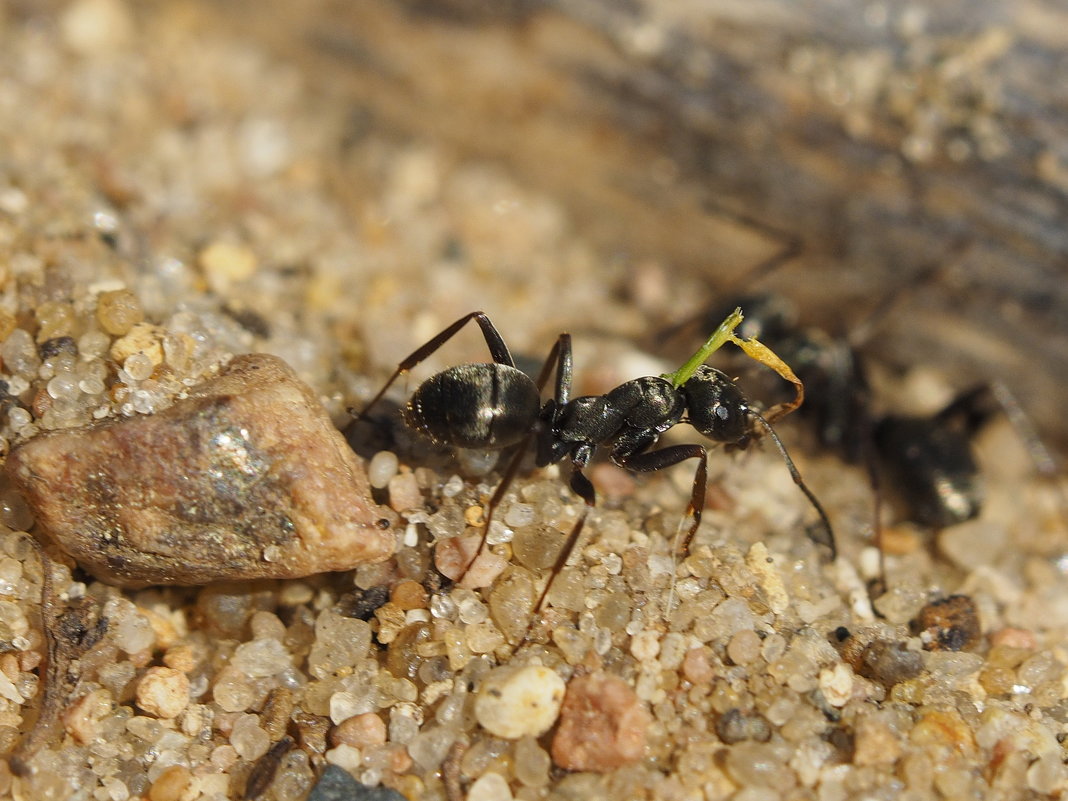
483 406
716 406
934 467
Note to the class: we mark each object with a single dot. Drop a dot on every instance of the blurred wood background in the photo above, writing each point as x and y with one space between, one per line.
706 134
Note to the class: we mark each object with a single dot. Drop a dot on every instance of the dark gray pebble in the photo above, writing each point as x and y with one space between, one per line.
337 784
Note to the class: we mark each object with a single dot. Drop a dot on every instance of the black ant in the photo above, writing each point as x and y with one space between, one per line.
495 406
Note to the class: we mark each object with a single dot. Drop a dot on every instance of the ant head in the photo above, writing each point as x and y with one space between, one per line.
716 407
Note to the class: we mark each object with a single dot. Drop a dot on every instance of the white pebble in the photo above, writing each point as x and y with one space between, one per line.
517 702
93 344
470 608
836 684
490 787
261 657
63 385
519 514
344 705
138 366
91 385
134 633
769 577
411 535
452 487
248 738
345 756
382 467
645 645
18 417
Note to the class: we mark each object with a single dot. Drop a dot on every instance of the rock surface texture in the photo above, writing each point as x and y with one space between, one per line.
245 478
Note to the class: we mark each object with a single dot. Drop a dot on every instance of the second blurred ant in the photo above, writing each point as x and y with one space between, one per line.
928 460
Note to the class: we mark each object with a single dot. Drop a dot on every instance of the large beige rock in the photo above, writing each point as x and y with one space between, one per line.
246 478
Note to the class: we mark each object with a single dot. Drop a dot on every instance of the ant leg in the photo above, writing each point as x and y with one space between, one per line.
827 536
1043 459
509 475
498 350
973 408
582 487
651 461
870 459
560 357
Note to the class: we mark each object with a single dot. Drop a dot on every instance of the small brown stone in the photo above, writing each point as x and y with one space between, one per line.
889 662
949 624
246 478
875 742
183 657
171 784
943 728
277 709
311 732
82 718
408 594
1014 638
697 666
404 492
361 731
602 725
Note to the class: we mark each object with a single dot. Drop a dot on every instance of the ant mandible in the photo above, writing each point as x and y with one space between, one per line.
494 406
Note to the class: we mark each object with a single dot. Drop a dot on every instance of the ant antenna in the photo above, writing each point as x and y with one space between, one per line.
827 537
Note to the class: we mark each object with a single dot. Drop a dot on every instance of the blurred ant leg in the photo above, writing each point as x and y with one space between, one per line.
498 350
955 255
870 459
560 357
973 408
827 536
1043 459
791 247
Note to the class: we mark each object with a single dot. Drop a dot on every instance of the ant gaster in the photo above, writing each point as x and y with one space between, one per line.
494 406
